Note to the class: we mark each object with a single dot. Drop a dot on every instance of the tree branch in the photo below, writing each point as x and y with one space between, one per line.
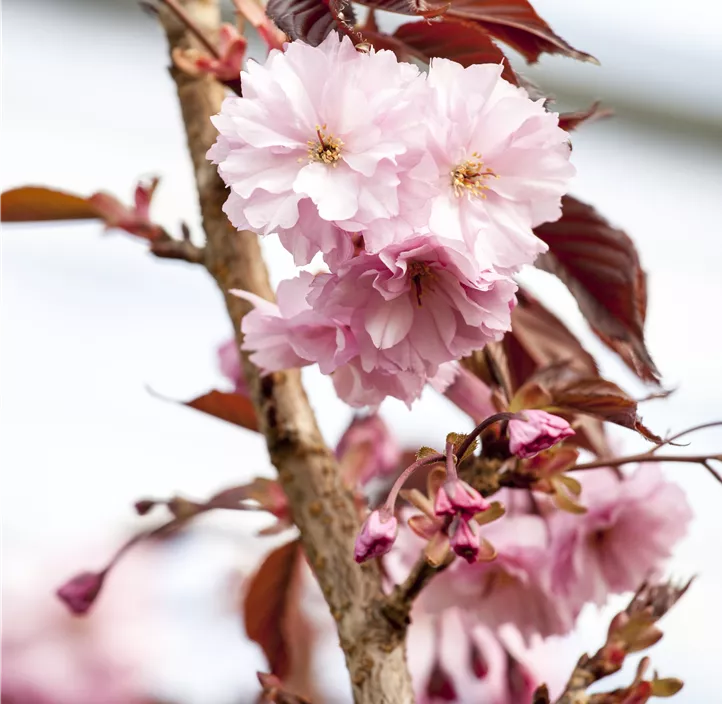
321 506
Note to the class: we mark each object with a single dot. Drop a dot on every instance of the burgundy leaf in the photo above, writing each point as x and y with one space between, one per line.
600 266
266 604
571 120
420 8
36 203
515 23
538 338
569 392
464 42
230 407
311 20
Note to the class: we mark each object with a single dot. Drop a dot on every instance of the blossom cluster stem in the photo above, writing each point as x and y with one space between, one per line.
476 432
321 506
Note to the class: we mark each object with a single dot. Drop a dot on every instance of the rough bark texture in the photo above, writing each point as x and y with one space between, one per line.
321 507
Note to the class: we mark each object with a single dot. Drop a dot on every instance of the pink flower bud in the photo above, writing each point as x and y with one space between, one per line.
377 535
80 593
539 431
465 540
456 496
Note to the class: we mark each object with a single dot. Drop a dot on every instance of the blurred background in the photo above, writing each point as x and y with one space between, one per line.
90 322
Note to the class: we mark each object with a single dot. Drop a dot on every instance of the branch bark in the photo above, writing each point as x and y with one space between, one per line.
321 507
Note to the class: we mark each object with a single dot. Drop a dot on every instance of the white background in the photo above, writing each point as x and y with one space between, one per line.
88 320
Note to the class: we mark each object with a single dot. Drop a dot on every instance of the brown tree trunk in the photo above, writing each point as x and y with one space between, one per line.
322 508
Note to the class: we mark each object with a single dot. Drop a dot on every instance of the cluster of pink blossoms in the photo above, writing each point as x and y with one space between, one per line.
419 191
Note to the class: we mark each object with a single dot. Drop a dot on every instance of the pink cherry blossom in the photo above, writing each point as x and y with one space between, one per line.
415 305
625 536
537 432
384 324
502 164
291 334
316 141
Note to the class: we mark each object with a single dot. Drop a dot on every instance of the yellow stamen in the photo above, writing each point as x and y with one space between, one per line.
469 177
326 149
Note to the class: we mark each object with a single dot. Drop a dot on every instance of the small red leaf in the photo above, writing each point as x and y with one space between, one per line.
466 43
266 604
36 203
571 120
568 392
600 266
515 23
311 20
538 338
233 408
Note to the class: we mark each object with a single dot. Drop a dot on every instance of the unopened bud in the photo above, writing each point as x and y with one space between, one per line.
80 593
376 537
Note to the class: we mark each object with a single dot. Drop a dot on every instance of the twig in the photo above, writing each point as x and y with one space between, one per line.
192 26
321 506
630 631
651 457
178 249
399 603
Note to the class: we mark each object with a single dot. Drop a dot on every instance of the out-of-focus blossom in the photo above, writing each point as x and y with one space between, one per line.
50 656
229 362
537 432
502 164
368 450
624 538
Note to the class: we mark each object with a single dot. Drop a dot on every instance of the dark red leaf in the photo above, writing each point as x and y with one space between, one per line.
420 8
464 42
538 338
515 23
569 392
571 120
311 20
600 266
35 203
266 604
234 408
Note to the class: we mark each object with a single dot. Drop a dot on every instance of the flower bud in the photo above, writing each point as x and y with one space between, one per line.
538 431
465 540
377 535
80 592
456 496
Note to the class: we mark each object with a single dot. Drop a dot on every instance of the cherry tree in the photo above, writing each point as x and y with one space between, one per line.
416 172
